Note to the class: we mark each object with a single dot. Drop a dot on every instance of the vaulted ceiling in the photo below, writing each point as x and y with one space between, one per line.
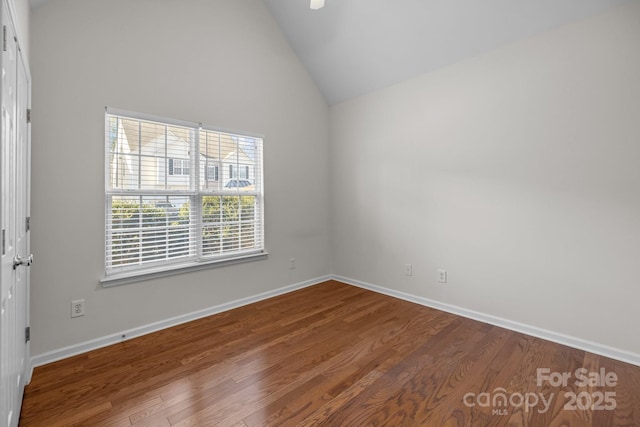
352 47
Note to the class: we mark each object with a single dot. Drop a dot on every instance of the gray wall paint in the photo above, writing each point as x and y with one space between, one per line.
221 62
516 171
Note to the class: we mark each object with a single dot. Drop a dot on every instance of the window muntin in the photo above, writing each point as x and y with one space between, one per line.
179 167
167 198
212 173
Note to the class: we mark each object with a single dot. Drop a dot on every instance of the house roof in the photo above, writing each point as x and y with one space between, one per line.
213 145
240 157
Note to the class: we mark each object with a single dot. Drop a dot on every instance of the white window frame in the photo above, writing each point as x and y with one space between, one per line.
216 173
196 259
184 168
240 171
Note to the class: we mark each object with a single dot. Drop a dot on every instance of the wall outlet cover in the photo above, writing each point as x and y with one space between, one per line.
77 308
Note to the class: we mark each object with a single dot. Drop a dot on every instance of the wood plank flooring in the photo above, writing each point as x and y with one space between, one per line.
332 355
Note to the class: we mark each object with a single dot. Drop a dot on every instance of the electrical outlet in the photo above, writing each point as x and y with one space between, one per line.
442 276
77 308
408 270
292 263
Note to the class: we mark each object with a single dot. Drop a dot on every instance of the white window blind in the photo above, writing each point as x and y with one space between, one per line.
169 201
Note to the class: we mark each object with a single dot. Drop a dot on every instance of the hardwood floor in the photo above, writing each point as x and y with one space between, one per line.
333 355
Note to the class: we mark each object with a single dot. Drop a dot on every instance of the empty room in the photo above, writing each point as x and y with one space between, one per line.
320 212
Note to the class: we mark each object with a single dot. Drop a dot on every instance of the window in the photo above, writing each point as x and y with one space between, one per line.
212 173
167 206
179 167
239 171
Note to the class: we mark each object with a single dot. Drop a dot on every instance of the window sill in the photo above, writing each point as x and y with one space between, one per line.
171 270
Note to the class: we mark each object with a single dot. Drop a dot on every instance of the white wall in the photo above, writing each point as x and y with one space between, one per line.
517 171
223 63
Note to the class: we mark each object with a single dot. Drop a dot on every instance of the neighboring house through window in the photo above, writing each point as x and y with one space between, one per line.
167 204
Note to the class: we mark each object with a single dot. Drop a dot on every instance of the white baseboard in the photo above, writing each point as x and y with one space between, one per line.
579 343
73 350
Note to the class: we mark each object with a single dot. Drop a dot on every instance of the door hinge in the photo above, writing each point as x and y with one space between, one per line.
4 38
27 334
28 224
4 241
28 115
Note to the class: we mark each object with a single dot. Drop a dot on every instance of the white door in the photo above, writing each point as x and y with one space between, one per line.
14 213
